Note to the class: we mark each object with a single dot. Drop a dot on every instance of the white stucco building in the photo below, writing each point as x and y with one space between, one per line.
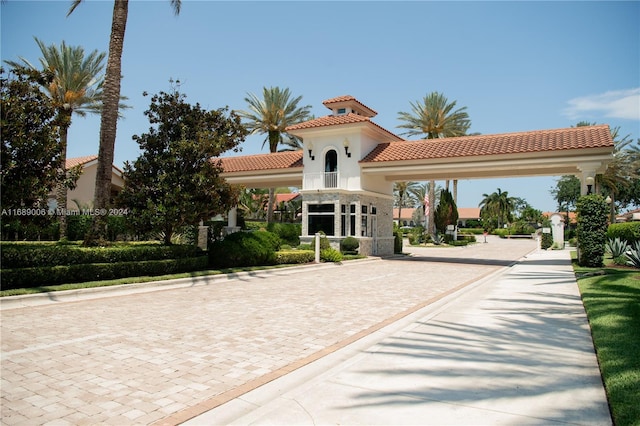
348 165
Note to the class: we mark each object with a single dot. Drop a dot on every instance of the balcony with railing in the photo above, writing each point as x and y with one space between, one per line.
325 180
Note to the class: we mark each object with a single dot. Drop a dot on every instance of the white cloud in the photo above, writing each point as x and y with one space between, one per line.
613 104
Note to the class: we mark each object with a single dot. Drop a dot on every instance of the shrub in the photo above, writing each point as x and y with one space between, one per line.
349 245
616 247
330 255
546 241
244 249
311 247
633 255
288 232
24 255
397 242
288 257
592 230
66 274
628 231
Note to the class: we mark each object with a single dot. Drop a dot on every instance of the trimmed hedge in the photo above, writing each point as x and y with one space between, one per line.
244 249
289 257
628 231
27 255
66 274
592 230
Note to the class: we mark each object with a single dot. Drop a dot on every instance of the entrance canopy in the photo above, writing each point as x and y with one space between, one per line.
580 151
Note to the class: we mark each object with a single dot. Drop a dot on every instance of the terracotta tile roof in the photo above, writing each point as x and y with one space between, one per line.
469 212
285 198
337 120
506 143
271 161
347 98
72 162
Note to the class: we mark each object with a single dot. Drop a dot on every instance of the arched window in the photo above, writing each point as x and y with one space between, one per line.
331 169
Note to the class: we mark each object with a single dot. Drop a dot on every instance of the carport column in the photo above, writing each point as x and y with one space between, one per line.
588 177
232 222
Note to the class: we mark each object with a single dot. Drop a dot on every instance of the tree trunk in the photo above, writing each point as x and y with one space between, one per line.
108 123
272 196
61 188
432 201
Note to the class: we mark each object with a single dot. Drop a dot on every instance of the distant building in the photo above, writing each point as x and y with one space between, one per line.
84 193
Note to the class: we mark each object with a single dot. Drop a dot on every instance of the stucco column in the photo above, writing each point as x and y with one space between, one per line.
233 217
588 177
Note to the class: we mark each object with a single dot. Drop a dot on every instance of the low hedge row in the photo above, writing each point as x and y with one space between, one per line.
290 257
67 274
255 248
627 231
25 255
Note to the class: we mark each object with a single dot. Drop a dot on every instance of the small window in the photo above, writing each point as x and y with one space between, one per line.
342 111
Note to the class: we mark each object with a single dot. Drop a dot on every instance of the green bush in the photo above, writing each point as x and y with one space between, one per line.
311 247
25 255
288 232
546 241
397 242
627 231
592 230
349 245
53 275
330 255
469 238
244 249
289 257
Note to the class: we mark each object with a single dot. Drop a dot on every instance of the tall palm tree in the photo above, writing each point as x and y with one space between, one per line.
402 191
76 88
271 115
109 118
497 205
434 117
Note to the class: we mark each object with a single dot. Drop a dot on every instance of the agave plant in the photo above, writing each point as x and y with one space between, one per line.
616 247
633 255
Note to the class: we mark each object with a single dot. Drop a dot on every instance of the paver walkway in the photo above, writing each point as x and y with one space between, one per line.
167 355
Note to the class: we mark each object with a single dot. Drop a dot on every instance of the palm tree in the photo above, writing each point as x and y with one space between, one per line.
109 117
402 191
434 118
421 194
271 116
497 205
76 88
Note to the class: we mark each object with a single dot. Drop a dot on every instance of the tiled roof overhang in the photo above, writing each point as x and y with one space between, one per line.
537 153
264 170
339 122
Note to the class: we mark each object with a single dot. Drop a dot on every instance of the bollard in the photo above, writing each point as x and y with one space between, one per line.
317 260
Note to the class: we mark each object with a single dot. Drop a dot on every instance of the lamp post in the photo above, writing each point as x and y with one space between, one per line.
589 185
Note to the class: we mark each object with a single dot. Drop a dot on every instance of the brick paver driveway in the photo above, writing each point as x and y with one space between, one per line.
166 355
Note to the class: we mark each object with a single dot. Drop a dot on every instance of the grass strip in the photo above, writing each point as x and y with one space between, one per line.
611 297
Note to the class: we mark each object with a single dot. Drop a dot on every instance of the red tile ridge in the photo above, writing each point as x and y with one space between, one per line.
76 161
346 98
257 162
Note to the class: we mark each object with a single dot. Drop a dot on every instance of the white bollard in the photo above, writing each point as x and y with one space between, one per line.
317 248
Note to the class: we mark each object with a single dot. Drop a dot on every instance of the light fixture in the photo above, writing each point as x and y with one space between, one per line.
589 184
311 152
346 147
607 200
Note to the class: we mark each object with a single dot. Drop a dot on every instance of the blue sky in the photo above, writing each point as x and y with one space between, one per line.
516 66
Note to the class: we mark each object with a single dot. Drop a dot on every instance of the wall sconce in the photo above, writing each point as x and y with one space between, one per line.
589 185
346 147
311 152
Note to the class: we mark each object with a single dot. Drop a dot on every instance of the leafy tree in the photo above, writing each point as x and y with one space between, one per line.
566 193
32 157
420 193
496 208
109 117
434 118
271 115
447 212
175 182
75 88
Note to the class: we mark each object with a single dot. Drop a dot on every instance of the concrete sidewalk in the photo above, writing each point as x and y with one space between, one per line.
513 348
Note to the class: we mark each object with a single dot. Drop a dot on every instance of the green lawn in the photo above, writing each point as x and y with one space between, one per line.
611 297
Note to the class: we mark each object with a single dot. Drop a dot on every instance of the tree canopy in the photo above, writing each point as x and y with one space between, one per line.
176 180
32 157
